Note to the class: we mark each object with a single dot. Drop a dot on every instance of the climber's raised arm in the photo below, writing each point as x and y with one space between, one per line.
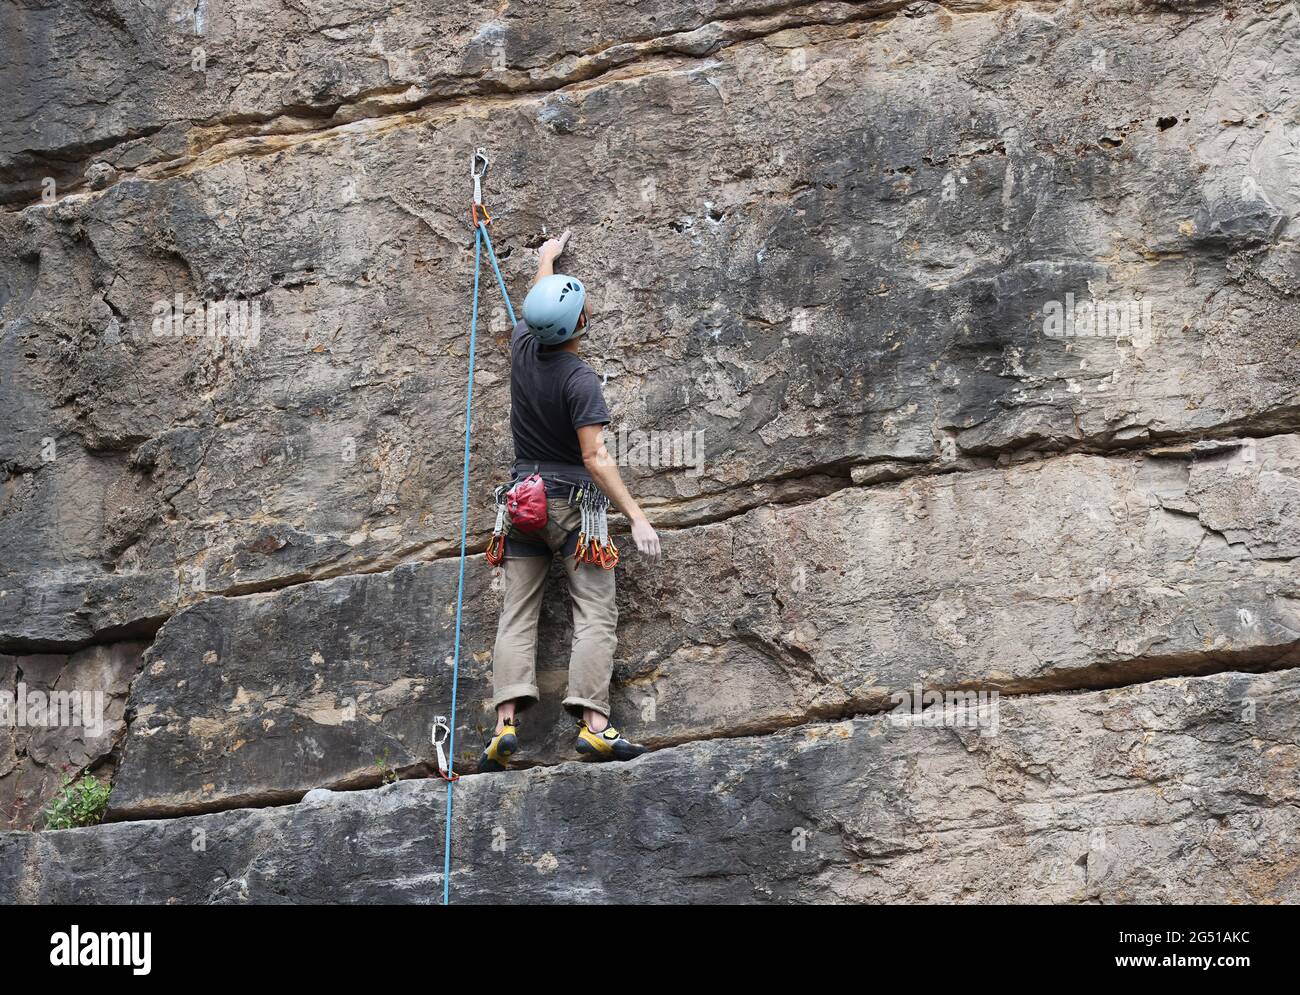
550 251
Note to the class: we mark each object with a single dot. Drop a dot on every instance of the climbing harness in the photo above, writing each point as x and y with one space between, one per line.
444 729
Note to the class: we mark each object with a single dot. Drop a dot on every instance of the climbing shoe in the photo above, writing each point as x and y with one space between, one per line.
606 745
496 756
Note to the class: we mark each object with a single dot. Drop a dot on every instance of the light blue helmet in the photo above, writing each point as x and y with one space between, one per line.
553 307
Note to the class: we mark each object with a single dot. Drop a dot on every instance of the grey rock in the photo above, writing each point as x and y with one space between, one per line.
100 175
823 301
318 796
1076 572
73 720
1176 791
985 312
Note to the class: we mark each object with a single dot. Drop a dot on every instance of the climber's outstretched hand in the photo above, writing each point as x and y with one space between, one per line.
553 248
550 251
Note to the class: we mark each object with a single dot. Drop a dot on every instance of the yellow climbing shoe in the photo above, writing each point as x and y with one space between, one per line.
607 744
496 756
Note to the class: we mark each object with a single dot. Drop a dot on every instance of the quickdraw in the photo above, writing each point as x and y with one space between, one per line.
441 734
607 556
594 544
580 551
496 549
478 168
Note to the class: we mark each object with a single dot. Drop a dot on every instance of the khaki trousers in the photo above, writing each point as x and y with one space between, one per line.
591 591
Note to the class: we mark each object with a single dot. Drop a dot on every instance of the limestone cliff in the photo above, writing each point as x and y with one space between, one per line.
983 312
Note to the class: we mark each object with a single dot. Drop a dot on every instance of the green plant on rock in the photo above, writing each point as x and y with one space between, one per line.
78 803
386 773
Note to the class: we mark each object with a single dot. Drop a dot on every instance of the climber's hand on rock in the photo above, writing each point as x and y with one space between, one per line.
553 248
646 538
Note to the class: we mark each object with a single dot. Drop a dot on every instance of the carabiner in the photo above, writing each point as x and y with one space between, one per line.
477 174
440 727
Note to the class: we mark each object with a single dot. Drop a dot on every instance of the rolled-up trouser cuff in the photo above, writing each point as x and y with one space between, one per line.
576 705
515 691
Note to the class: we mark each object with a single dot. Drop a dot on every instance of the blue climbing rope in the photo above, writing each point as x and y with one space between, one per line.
482 227
481 239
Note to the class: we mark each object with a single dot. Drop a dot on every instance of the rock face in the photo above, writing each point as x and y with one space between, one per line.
865 294
970 329
1073 572
1174 791
59 715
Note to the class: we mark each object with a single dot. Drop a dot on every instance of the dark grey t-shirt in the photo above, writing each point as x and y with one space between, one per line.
553 393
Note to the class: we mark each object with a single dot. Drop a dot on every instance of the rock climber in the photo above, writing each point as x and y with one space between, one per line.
558 418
